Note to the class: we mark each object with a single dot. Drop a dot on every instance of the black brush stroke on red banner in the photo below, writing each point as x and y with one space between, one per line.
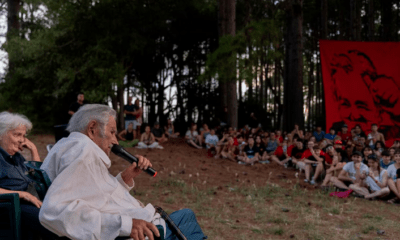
362 85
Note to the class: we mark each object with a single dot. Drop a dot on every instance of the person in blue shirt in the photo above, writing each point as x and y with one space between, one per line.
13 172
386 160
319 134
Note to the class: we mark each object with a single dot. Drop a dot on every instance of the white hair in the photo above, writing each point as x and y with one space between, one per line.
10 121
89 112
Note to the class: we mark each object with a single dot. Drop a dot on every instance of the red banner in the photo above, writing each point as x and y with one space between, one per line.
362 85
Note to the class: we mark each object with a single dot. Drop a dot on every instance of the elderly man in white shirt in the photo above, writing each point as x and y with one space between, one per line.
85 201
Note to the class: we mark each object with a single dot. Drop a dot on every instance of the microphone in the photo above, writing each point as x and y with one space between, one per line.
121 152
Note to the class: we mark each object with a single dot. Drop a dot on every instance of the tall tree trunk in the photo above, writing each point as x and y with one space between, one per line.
371 24
386 16
293 82
227 21
13 24
120 94
324 19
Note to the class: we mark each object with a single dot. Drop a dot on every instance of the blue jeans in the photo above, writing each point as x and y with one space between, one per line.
127 123
186 221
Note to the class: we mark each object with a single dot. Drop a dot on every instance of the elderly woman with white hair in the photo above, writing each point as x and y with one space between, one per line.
13 179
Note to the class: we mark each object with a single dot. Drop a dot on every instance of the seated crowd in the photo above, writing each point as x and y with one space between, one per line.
347 159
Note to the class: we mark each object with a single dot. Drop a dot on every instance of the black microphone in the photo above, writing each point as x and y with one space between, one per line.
121 152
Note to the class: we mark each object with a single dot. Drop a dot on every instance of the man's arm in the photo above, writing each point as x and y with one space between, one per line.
120 135
71 112
344 176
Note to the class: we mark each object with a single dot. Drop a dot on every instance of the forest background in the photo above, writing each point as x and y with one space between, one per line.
184 59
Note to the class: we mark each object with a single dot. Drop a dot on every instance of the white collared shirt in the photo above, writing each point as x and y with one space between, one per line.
84 200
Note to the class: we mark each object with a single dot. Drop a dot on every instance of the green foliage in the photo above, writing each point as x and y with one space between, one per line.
258 40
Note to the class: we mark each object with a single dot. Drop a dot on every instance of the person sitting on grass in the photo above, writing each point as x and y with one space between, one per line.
366 152
250 153
193 138
335 168
159 133
127 137
262 153
385 161
229 149
272 144
297 153
170 130
220 144
204 131
353 173
316 160
282 153
211 139
394 181
377 179
147 140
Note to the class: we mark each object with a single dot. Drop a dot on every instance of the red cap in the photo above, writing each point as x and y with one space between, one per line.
338 142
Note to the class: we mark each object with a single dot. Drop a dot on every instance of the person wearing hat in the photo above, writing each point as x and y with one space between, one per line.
353 173
377 179
159 133
345 135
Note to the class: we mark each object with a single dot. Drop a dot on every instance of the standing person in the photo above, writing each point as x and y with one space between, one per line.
13 128
74 107
147 140
137 123
170 130
130 113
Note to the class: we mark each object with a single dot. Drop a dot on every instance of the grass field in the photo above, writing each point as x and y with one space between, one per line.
245 211
232 201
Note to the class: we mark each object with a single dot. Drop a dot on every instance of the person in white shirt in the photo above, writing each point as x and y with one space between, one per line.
85 201
353 173
193 138
394 182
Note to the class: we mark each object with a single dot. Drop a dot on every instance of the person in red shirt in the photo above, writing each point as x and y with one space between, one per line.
279 136
282 153
345 135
